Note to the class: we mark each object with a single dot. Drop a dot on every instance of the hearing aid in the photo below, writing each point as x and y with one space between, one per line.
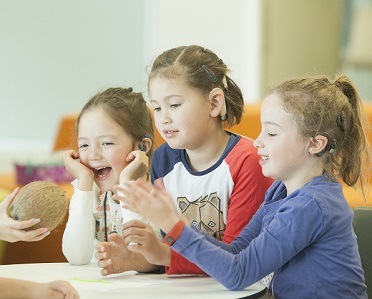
142 147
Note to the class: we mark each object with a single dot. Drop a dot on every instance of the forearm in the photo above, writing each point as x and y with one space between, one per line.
77 242
16 289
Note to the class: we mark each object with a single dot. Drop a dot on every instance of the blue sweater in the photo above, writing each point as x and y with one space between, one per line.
305 238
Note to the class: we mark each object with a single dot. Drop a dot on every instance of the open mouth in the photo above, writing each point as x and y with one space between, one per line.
102 172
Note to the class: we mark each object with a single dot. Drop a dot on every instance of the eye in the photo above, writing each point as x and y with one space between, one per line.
83 145
107 143
157 109
271 134
175 105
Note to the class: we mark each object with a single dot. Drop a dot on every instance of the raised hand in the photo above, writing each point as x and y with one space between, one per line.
138 166
150 201
78 170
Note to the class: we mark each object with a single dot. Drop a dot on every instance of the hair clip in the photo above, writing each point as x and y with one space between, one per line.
224 81
129 89
210 74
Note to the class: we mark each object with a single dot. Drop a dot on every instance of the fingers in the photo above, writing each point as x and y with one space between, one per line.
103 254
36 235
64 288
137 154
107 270
26 223
159 183
137 232
6 202
102 250
70 154
134 223
131 156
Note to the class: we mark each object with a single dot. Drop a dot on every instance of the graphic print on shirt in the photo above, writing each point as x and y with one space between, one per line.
204 213
113 218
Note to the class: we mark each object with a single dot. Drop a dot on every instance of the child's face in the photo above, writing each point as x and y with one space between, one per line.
282 148
103 147
181 113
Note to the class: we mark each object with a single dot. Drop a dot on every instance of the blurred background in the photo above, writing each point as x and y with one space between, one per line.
55 55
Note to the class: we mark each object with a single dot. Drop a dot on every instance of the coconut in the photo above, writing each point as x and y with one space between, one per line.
44 200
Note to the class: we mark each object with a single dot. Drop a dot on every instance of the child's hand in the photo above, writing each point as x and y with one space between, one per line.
114 257
137 168
141 238
153 202
78 170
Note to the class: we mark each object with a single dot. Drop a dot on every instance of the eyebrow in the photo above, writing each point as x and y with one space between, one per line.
271 123
167 98
100 137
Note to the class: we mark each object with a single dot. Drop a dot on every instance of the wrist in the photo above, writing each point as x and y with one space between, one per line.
166 255
85 183
174 233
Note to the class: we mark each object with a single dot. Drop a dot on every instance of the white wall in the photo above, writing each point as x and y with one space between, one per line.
55 55
231 29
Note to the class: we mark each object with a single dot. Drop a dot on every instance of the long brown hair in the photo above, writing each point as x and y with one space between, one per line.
128 109
331 108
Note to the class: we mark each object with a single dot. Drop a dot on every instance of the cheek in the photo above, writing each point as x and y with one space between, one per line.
83 157
156 120
118 160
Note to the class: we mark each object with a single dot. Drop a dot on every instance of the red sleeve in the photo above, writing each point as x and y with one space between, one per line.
248 194
249 190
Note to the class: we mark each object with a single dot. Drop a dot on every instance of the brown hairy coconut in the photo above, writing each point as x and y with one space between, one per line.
44 200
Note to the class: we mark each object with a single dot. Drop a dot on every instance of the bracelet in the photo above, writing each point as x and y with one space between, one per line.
174 233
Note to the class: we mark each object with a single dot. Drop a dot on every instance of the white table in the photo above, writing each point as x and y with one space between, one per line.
90 284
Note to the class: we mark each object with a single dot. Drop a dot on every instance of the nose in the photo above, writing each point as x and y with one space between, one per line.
257 142
164 118
94 154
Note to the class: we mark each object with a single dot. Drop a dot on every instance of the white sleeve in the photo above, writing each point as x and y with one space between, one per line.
78 237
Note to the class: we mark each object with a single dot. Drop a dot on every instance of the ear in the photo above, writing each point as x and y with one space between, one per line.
317 144
217 100
145 145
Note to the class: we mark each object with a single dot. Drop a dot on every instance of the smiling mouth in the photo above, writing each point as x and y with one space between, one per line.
265 158
102 172
170 133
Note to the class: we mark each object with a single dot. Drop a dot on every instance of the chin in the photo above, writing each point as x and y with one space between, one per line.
266 174
104 186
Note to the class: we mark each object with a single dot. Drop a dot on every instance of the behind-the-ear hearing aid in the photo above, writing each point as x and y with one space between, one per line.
142 147
331 149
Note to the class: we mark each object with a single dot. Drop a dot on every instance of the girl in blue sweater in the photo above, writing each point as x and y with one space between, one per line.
300 242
